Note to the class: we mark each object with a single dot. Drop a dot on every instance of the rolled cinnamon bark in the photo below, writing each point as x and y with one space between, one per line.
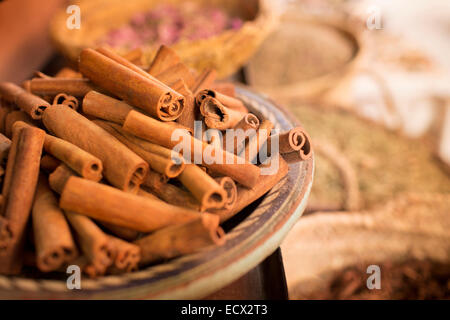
134 56
21 177
238 139
249 195
82 162
127 255
302 143
5 109
290 141
174 195
154 178
59 177
65 99
162 163
204 80
14 117
151 95
165 58
230 189
205 189
5 145
161 133
229 102
54 86
256 142
39 74
94 243
121 167
52 237
190 112
182 239
111 205
49 163
106 108
29 103
217 116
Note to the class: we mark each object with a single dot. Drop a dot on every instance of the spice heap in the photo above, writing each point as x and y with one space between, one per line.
167 24
89 158
411 279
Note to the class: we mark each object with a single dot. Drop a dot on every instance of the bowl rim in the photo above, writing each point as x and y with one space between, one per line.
195 276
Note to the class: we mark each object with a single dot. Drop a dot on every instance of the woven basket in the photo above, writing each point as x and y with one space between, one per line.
225 52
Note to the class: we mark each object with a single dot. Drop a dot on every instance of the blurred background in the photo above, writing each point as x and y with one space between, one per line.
369 80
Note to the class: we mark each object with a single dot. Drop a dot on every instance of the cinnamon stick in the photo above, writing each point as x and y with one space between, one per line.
82 162
29 103
59 177
67 72
182 239
65 99
230 190
106 108
111 205
121 167
235 141
175 72
146 93
205 189
52 236
162 162
5 145
54 86
225 88
294 145
248 195
94 243
230 102
173 195
256 142
161 133
14 117
127 255
217 116
49 163
18 190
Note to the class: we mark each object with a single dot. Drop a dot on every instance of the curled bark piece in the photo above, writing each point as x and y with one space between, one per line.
59 177
121 167
54 86
165 58
174 195
229 102
230 189
182 239
94 243
106 108
255 143
305 149
204 80
190 113
52 236
205 189
146 93
21 177
65 99
14 117
82 162
134 56
29 103
127 255
166 164
217 116
242 132
249 195
111 205
161 133
154 178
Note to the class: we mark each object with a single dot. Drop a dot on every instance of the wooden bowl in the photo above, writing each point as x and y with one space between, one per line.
226 52
252 235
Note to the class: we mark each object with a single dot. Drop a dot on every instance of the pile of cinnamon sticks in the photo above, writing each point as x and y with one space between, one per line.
89 171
